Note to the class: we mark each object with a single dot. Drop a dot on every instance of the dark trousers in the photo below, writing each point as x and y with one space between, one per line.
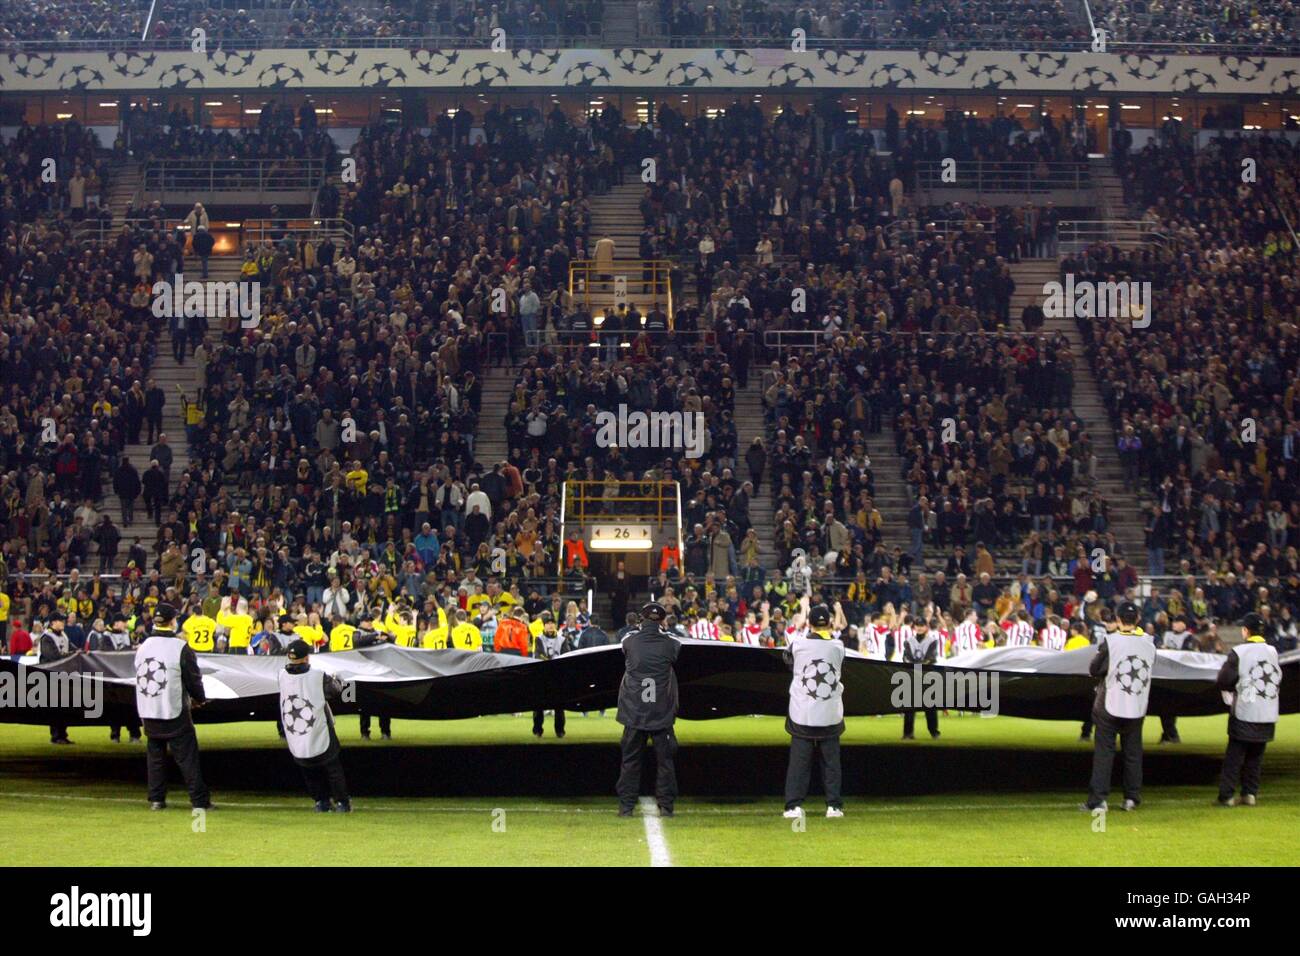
1241 765
385 725
1129 731
325 780
58 732
539 722
128 509
185 751
1169 728
629 778
799 773
132 726
931 722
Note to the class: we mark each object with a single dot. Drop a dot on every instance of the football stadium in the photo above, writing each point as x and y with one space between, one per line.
649 433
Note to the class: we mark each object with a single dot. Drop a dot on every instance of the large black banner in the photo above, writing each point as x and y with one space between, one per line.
716 680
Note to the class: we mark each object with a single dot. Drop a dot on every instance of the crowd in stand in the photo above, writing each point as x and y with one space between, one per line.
526 18
932 24
332 473
281 133
333 20
910 324
1256 24
805 186
334 438
943 25
23 20
52 170
1205 398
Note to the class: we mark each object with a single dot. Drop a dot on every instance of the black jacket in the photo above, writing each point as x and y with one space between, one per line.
192 681
647 698
50 650
1240 729
333 694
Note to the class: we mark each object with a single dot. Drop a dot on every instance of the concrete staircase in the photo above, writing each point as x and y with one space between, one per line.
125 184
1030 276
1126 519
893 498
619 24
1108 189
490 446
174 377
617 214
750 424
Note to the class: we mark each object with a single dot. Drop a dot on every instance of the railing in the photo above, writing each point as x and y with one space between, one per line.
591 338
247 177
1075 235
931 44
613 285
780 341
592 39
783 340
633 502
994 177
908 230
245 230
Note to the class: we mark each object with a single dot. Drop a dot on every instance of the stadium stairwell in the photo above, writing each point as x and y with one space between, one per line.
1108 189
1126 519
164 371
750 425
490 446
122 189
893 498
619 24
617 214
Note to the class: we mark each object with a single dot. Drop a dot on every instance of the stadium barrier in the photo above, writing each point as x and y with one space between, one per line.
595 38
1075 235
245 231
246 181
996 178
909 230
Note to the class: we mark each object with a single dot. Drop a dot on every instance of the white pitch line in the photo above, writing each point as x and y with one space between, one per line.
654 833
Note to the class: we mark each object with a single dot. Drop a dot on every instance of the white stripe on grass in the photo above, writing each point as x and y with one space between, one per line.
296 805
654 833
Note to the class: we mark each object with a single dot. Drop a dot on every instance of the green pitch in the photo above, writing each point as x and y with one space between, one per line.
51 815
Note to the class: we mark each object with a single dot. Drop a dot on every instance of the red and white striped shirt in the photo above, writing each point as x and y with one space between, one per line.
942 638
1021 634
1054 637
793 633
873 639
704 630
969 637
751 634
901 636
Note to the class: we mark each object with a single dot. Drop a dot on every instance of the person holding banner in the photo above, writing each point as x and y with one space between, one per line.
309 728
1251 681
815 720
167 686
1126 660
647 709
